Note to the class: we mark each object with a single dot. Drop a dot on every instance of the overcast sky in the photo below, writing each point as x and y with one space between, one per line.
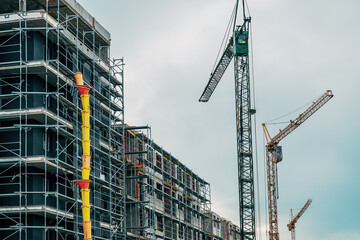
301 48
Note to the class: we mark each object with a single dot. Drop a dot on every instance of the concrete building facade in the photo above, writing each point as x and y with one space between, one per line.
222 228
165 199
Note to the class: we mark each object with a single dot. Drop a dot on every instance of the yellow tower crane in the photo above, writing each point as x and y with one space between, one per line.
274 155
293 220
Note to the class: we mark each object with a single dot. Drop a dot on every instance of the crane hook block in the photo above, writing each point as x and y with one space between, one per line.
241 44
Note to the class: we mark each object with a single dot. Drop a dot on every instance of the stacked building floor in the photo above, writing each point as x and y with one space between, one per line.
138 190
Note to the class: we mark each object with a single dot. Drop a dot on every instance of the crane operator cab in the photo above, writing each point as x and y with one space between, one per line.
278 154
241 44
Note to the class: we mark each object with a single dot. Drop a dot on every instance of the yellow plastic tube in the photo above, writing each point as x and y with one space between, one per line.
85 172
79 78
85 193
85 117
86 161
85 132
87 230
85 102
85 169
86 147
86 212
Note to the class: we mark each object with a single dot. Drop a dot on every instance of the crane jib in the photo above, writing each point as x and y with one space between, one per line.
302 117
241 49
218 72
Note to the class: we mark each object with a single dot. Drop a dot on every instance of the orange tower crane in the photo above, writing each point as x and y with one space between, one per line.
274 155
293 220
85 169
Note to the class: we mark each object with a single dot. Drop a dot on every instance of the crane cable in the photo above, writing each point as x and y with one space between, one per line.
265 188
226 36
293 111
247 7
255 131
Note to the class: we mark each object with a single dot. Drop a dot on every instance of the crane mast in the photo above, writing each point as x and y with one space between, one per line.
238 49
293 220
244 112
274 155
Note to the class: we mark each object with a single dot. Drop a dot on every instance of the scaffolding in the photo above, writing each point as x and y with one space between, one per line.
139 183
222 229
164 198
42 44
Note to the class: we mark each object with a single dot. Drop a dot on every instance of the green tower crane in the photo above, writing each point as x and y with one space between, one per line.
238 49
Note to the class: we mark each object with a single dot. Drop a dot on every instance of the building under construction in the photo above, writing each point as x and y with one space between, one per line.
138 190
42 44
164 198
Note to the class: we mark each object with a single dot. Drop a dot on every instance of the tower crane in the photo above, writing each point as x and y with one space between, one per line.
293 220
238 49
274 156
